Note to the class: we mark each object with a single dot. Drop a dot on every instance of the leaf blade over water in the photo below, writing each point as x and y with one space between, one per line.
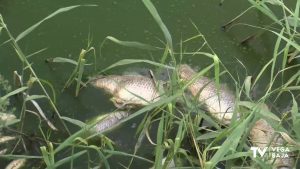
60 10
160 23
132 44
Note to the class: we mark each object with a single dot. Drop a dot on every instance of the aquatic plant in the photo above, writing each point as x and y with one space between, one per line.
180 137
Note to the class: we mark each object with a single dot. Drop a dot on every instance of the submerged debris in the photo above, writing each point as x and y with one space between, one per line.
128 89
220 105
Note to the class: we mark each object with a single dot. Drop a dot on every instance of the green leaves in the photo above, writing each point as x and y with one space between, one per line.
230 143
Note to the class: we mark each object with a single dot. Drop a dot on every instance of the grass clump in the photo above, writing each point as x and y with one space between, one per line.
180 138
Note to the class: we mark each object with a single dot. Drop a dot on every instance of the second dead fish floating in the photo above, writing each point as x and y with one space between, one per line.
134 90
108 121
220 106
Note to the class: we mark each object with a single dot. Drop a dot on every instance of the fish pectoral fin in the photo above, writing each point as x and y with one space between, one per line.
118 102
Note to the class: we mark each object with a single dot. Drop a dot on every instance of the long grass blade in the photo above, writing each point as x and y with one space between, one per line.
74 121
19 90
232 141
158 148
68 159
62 60
79 77
61 10
295 117
131 61
132 44
42 114
160 23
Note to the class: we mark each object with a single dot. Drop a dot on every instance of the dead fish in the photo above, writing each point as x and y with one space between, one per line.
6 117
109 121
220 106
4 139
16 164
263 135
128 89
3 151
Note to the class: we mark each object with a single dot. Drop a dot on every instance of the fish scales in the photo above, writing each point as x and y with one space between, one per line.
261 135
110 120
16 164
220 105
133 89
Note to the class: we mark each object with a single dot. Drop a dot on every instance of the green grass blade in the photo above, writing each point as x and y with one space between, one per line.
209 135
13 157
217 73
132 44
42 114
113 152
52 90
296 16
45 155
80 73
131 61
248 85
285 56
261 72
70 140
62 60
232 141
61 10
19 90
159 140
67 159
34 97
160 23
265 10
295 117
74 121
275 55
37 52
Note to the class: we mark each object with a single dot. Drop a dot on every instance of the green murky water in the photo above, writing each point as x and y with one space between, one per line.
66 34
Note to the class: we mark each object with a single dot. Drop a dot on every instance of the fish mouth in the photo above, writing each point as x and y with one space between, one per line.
92 79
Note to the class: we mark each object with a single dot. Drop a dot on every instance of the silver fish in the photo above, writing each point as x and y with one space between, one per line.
4 139
128 89
220 106
16 164
263 135
109 121
3 151
5 117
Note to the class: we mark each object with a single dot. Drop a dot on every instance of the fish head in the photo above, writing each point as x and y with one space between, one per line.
108 83
185 72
